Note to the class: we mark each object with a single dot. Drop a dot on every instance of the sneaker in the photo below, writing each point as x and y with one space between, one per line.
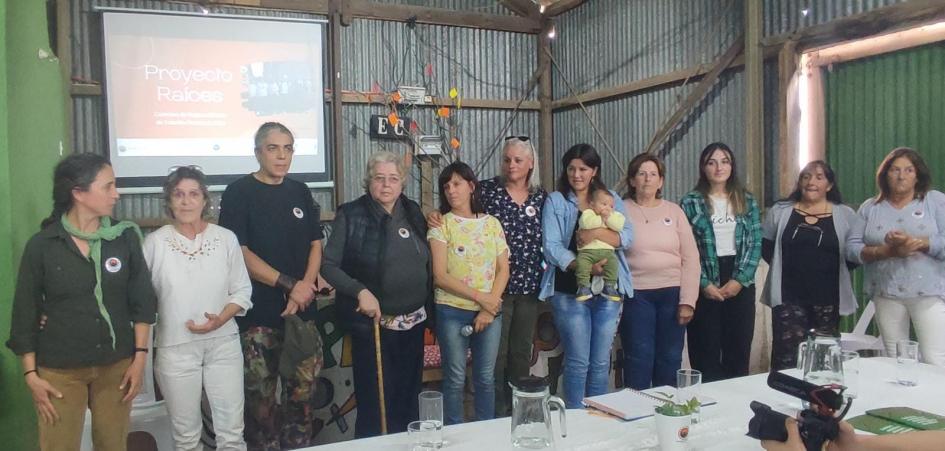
610 292
583 294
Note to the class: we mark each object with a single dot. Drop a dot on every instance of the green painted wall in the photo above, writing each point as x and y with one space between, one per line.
876 104
32 112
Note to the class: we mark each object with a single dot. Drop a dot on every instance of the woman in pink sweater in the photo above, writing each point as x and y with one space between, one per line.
664 262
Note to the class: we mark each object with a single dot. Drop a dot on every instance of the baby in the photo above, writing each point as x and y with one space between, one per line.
600 215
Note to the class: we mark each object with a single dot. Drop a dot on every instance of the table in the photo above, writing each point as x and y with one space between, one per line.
723 425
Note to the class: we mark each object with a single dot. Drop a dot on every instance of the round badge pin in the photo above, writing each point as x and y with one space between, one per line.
298 212
918 214
667 221
461 251
113 265
530 211
404 233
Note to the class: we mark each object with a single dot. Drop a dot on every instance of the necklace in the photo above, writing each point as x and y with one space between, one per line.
814 218
646 219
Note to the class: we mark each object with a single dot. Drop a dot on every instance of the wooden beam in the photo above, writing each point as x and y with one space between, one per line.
696 95
754 100
489 104
334 40
93 90
693 73
546 113
562 6
878 45
524 8
877 21
363 9
441 16
64 54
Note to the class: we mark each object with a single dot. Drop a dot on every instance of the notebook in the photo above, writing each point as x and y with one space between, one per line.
896 420
629 404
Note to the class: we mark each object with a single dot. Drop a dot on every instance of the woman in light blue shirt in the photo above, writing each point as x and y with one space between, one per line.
904 253
587 328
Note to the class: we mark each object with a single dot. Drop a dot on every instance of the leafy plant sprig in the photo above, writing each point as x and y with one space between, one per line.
676 409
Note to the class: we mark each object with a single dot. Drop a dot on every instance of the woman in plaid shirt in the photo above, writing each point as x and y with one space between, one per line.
725 222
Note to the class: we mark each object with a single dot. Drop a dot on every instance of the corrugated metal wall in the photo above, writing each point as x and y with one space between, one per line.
480 64
630 122
608 43
604 44
876 104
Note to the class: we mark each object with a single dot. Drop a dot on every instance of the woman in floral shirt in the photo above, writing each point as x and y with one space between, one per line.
515 198
470 271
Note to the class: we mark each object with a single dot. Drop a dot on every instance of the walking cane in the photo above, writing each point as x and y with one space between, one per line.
380 376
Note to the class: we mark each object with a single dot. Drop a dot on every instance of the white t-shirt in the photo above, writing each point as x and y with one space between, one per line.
193 277
723 224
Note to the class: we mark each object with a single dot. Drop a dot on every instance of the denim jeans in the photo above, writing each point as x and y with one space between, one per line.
453 349
652 338
587 333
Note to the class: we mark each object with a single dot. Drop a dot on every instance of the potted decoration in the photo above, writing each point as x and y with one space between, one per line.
673 420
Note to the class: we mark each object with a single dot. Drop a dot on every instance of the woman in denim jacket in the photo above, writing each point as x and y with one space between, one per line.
587 328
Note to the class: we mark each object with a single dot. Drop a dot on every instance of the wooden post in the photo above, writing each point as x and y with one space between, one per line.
337 134
787 144
426 184
754 99
545 149
64 53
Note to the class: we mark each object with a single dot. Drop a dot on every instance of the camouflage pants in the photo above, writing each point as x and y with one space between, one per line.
289 423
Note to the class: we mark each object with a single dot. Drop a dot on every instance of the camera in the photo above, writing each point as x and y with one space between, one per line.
817 424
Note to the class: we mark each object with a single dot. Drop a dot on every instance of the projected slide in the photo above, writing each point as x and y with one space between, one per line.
192 90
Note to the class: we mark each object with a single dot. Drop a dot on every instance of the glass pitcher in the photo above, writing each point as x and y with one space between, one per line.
531 413
821 360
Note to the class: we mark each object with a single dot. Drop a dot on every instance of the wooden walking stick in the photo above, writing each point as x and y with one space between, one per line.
380 376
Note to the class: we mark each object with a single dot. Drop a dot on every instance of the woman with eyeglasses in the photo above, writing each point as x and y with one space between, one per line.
515 197
804 240
202 284
378 260
727 228
903 251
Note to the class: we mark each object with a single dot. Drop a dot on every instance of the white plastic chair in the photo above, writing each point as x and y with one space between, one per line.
859 340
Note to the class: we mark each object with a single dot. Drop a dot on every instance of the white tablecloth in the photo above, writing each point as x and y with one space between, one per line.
723 425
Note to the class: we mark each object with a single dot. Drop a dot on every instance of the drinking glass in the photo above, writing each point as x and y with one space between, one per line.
688 385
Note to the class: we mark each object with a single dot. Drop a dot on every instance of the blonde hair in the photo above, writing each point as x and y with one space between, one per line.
534 178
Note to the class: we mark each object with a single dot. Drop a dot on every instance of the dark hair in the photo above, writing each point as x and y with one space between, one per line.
463 170
180 174
635 164
923 176
736 192
588 154
74 172
263 131
833 195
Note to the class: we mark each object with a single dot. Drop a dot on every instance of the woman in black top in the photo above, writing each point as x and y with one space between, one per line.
89 278
808 285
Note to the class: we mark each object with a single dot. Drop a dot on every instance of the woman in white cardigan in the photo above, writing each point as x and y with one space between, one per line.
201 282
805 240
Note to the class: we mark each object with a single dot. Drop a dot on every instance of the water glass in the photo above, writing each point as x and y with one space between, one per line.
431 410
422 436
688 384
907 358
851 373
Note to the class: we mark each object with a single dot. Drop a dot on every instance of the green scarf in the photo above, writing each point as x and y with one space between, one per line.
108 232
